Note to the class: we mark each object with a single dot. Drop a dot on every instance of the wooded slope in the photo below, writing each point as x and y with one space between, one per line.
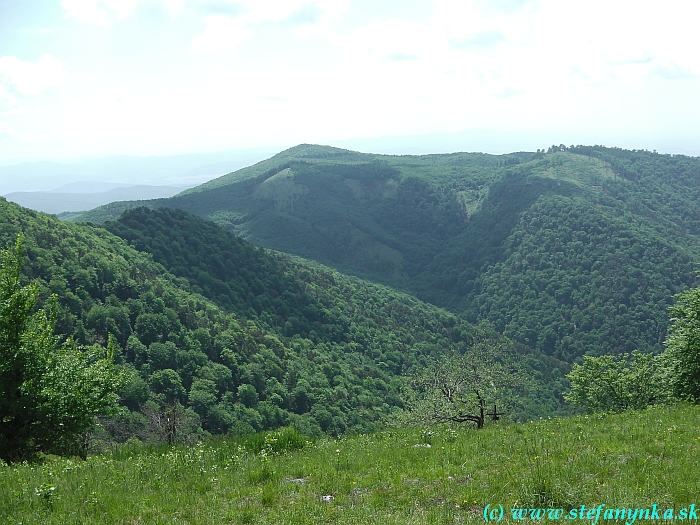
290 344
575 251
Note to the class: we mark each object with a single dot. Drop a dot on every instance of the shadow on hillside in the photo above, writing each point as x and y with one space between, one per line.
452 274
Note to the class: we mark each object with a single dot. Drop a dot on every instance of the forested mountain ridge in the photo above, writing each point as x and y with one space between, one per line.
357 212
303 345
569 269
299 153
571 251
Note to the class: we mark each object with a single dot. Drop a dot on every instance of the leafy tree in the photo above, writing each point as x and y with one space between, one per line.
461 388
219 374
134 393
167 386
219 419
151 327
162 355
49 395
683 345
619 383
248 395
202 396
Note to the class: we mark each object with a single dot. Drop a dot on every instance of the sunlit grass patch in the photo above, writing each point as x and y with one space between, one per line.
631 459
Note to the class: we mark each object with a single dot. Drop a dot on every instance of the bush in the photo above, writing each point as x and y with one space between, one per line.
49 395
617 383
683 346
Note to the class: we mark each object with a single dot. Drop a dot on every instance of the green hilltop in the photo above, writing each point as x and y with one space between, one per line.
573 251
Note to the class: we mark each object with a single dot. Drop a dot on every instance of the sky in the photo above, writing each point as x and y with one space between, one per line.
81 78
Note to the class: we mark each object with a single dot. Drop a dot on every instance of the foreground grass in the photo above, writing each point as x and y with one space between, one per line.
634 459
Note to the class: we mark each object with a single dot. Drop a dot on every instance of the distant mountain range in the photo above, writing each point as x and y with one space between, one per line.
174 170
81 198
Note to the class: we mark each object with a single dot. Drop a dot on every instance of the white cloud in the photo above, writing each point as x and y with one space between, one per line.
6 129
106 12
299 11
235 22
222 34
7 100
270 10
472 20
670 70
217 7
324 69
99 12
27 78
396 38
546 48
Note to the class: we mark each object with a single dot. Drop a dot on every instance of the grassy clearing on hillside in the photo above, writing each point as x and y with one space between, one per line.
634 459
578 169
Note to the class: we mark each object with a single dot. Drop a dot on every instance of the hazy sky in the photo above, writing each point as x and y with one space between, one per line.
156 77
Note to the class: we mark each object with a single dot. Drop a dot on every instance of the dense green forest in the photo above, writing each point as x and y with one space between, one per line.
241 338
570 251
293 297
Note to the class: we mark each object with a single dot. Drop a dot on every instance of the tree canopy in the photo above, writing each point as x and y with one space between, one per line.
49 393
570 251
683 345
618 383
232 338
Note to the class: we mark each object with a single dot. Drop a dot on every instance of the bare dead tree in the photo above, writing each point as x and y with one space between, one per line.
170 423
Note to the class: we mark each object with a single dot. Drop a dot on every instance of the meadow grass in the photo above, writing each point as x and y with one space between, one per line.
633 459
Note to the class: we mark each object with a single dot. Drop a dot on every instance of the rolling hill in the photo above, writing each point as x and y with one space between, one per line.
573 251
244 339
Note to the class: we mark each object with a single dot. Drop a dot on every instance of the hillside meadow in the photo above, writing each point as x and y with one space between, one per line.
396 476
